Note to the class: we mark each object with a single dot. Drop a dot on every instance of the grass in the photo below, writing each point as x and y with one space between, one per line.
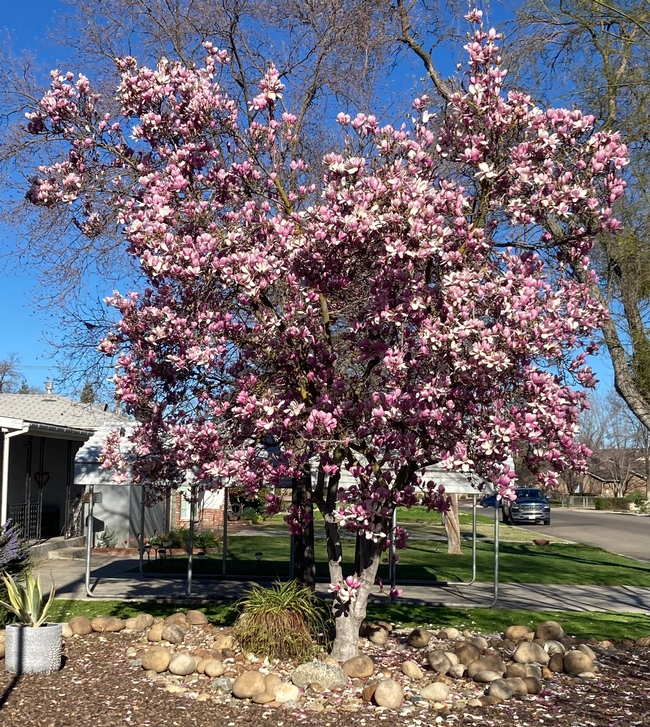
557 563
599 625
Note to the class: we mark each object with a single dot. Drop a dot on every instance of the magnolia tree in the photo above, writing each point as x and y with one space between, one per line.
420 305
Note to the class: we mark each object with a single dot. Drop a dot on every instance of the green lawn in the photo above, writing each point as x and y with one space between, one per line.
427 560
488 621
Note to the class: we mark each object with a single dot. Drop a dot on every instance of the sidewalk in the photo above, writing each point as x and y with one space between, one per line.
111 577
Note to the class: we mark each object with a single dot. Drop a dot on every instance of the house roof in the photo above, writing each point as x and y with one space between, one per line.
52 410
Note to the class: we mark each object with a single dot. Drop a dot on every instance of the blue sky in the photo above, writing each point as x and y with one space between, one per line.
23 329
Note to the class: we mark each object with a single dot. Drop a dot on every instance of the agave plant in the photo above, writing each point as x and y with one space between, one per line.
27 601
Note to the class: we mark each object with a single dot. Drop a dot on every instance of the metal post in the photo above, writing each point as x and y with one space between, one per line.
496 554
141 528
68 492
90 535
39 512
224 549
391 555
28 490
190 549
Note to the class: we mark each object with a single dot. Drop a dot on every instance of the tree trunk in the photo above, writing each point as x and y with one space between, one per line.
452 526
304 562
348 617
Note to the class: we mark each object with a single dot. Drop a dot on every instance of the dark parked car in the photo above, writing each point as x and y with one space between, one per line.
490 501
529 506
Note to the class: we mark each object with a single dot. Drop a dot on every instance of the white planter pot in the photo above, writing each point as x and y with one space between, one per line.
30 650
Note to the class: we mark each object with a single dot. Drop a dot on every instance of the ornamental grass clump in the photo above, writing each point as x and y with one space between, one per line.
286 621
14 559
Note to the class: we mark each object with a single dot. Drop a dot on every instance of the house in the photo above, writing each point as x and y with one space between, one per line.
612 472
40 435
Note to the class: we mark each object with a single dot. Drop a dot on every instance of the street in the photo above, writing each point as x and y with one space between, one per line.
620 533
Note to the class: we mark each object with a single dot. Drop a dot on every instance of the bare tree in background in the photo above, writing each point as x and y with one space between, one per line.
9 374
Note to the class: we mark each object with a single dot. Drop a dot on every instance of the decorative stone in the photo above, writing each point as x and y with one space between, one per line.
66 631
532 670
487 663
419 638
389 694
556 663
449 633
264 698
516 670
378 635
213 668
248 684
533 685
139 623
480 642
549 630
486 676
329 676
439 661
528 652
457 671
103 624
223 685
643 642
359 667
368 692
173 633
155 632
467 652
196 618
286 693
436 692
517 632
586 649
182 664
576 662
500 689
272 681
156 659
387 626
452 657
176 618
222 641
518 686
200 664
80 625
489 699
412 670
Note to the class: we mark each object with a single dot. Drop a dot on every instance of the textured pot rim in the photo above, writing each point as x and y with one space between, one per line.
44 625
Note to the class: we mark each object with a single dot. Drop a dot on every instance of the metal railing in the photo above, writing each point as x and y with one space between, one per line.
578 501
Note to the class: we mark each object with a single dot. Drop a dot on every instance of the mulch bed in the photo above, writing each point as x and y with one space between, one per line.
97 686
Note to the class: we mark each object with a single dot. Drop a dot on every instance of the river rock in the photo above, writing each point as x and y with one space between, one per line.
487 676
156 659
467 652
643 642
480 642
453 658
389 694
248 684
533 685
329 676
155 632
377 635
586 649
528 652
176 618
457 671
223 685
435 692
419 638
182 664
439 661
264 698
517 632
359 667
141 622
286 693
556 663
576 662
548 630
213 668
173 633
66 631
487 663
222 641
196 618
450 633
518 686
500 688
516 670
80 625
412 670
110 624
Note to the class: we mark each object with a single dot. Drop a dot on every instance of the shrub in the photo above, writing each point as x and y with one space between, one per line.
206 539
282 622
637 498
611 503
14 559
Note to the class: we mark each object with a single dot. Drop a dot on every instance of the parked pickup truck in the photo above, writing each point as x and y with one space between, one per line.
529 506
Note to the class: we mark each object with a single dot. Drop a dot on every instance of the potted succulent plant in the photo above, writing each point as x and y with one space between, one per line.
31 646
